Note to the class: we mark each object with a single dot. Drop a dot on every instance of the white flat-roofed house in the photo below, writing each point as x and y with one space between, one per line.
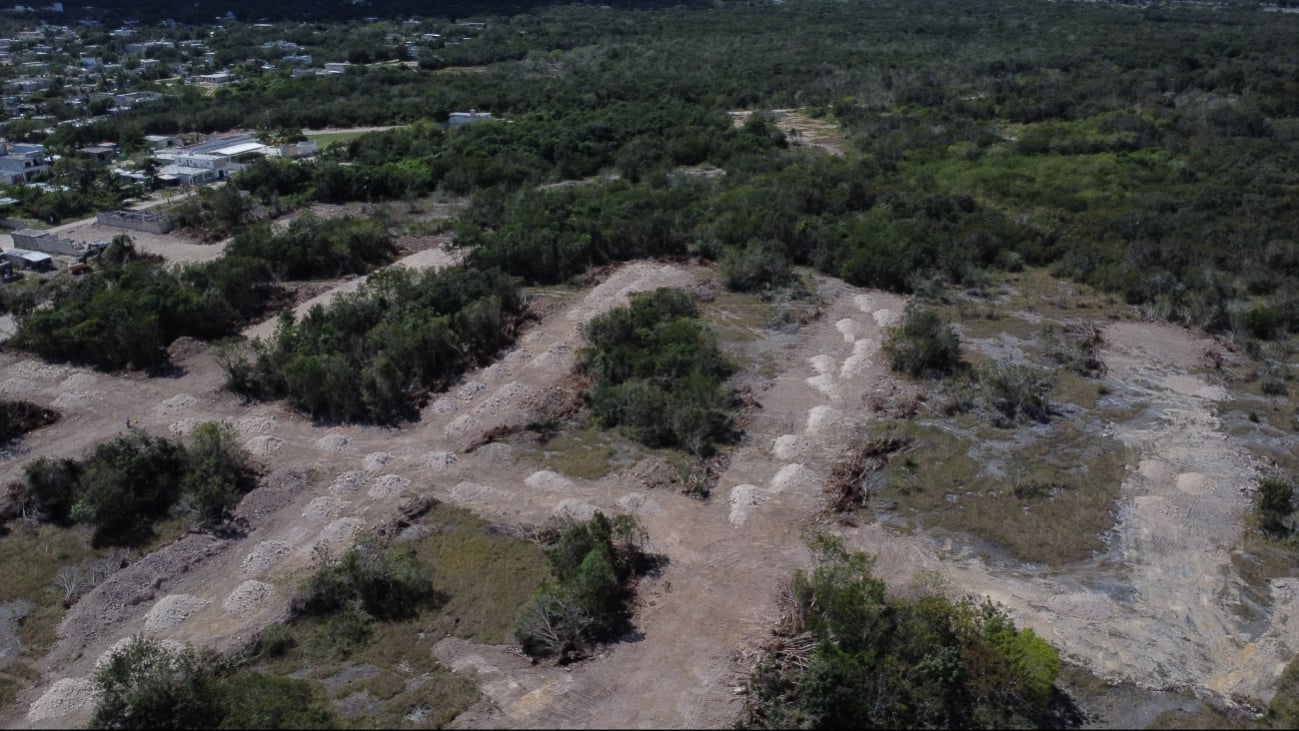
19 163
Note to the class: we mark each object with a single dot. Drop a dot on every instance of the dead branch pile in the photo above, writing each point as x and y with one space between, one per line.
847 483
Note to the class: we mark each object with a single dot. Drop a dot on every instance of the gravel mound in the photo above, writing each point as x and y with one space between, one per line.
264 556
65 696
376 461
860 359
825 384
437 460
71 400
246 596
332 443
574 509
255 425
388 485
472 492
15 386
469 390
462 425
323 508
179 402
498 453
348 482
550 481
445 406
821 363
821 419
1195 483
263 445
341 530
744 498
171 610
885 317
848 328
79 382
639 503
793 476
789 446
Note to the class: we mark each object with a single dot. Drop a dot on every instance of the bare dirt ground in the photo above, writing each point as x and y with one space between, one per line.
1161 609
802 129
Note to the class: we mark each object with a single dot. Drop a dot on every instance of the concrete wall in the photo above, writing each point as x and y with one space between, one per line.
152 224
47 244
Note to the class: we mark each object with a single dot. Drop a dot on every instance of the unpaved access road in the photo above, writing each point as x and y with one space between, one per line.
1157 610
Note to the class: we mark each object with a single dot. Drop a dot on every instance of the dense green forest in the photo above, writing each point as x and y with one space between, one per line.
1149 151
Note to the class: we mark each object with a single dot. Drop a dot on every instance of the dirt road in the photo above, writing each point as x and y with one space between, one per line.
1159 609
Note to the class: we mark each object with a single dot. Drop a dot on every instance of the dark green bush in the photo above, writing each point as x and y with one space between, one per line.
129 482
1273 504
374 355
587 602
759 265
922 344
380 581
148 686
658 373
314 248
885 662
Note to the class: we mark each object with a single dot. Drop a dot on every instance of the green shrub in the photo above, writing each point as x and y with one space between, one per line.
922 345
129 482
884 662
50 485
658 372
758 266
1016 391
587 602
314 248
384 583
148 686
1273 504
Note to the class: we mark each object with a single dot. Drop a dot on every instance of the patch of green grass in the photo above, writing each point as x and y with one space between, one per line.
587 452
1055 501
486 575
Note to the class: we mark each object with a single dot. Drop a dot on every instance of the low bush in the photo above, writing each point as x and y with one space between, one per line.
1016 392
854 657
370 580
587 602
374 355
129 482
760 265
658 373
922 345
314 248
146 685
